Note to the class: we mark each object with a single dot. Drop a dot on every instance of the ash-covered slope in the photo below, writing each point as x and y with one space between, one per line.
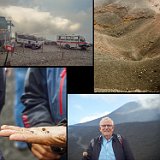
127 45
152 4
127 30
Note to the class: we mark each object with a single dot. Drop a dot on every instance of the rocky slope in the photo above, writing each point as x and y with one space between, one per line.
127 37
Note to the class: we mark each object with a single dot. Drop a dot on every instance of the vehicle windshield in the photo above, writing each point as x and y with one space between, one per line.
28 37
82 39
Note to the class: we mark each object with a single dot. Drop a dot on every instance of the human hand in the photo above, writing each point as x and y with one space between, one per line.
85 154
51 136
43 152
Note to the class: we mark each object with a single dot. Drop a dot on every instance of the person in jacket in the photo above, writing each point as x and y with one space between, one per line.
108 145
2 95
2 87
19 76
52 136
45 102
45 106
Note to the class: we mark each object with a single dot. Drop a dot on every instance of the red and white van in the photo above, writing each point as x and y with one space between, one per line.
72 41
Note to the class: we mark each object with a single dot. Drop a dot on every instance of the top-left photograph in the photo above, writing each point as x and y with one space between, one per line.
46 33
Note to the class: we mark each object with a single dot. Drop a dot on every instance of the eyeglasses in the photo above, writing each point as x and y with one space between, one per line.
109 126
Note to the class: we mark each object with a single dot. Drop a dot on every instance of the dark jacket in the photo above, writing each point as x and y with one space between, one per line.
2 88
44 97
120 147
2 95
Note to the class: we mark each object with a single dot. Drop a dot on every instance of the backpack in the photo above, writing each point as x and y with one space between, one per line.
120 139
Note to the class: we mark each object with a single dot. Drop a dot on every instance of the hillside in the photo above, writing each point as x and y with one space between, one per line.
127 38
130 112
143 139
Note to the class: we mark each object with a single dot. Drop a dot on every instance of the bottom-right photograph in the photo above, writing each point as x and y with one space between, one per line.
113 126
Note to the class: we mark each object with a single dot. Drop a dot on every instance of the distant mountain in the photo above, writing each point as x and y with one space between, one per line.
139 124
130 112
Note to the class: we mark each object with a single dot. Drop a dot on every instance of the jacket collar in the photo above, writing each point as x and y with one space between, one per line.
100 138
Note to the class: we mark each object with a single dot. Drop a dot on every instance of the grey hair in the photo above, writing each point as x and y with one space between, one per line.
106 119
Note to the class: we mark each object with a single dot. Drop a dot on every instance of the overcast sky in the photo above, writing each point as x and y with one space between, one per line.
50 17
86 107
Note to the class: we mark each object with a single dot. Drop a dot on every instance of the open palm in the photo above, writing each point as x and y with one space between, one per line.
55 135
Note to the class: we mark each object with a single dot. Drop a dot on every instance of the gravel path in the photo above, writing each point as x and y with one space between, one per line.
52 55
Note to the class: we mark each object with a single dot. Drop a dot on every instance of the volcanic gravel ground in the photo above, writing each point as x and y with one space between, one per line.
131 76
52 55
126 45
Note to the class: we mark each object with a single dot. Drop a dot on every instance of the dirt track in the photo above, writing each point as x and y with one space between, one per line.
52 55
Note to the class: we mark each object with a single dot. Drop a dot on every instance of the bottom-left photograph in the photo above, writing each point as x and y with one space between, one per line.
33 113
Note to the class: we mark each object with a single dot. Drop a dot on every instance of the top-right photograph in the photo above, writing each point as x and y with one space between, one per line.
127 46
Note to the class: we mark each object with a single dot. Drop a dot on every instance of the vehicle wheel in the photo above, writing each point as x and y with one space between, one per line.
33 46
67 46
83 48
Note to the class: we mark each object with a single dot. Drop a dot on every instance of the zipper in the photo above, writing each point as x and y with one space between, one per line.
62 75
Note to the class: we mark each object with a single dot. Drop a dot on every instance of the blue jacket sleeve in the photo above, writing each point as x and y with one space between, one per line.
2 88
35 99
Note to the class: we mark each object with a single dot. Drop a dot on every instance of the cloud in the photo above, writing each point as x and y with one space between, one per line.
8 2
107 97
93 117
77 13
74 27
32 20
141 98
79 107
148 101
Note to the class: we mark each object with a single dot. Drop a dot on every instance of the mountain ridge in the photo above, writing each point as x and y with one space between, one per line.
129 112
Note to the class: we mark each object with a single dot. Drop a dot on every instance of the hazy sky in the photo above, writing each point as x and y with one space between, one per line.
86 107
50 17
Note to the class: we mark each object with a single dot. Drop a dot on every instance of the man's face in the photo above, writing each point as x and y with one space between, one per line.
106 128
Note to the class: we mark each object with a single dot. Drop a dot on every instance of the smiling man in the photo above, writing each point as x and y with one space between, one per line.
108 146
